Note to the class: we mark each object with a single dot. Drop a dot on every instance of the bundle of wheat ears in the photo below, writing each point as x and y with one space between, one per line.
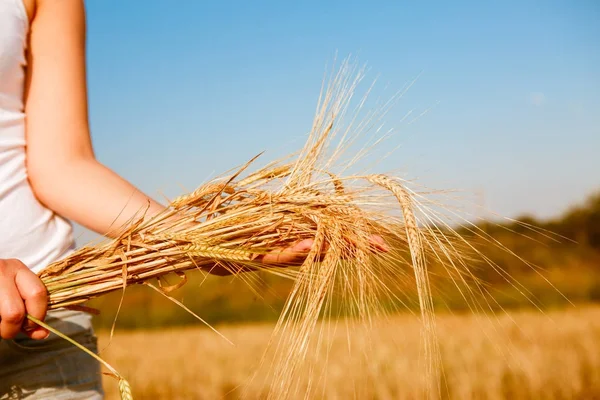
230 222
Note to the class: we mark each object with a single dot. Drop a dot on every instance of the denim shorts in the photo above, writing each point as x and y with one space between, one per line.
52 368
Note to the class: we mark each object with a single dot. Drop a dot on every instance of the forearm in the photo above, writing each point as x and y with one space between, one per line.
92 195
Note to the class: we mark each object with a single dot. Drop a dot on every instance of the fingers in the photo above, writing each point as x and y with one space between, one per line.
294 254
302 246
21 292
378 243
34 293
12 309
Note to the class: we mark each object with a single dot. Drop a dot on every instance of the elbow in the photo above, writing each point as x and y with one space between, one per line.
47 184
52 181
55 182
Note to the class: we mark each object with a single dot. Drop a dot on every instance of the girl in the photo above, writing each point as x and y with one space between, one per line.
49 175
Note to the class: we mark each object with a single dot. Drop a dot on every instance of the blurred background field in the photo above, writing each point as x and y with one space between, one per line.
528 355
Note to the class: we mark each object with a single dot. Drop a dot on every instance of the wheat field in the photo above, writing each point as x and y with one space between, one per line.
521 355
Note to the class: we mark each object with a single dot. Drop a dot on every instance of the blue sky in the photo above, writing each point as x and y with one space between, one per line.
180 91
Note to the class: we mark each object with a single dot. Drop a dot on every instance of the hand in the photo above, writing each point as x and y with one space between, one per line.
21 293
296 254
293 255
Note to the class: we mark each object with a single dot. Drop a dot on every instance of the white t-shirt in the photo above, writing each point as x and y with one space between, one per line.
28 231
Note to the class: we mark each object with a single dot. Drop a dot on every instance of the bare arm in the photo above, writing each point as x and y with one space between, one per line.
62 168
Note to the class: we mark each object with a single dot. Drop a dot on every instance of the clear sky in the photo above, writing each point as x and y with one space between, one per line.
180 91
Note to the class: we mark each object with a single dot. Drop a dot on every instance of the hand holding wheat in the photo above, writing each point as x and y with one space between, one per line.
22 293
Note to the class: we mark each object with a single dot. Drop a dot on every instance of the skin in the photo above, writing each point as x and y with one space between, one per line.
21 290
63 171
